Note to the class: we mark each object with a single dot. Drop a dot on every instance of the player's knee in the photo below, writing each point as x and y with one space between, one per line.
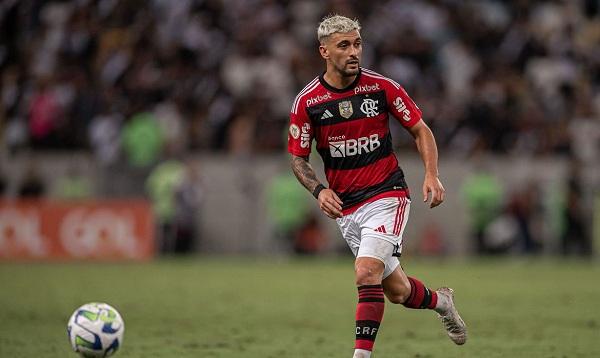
368 275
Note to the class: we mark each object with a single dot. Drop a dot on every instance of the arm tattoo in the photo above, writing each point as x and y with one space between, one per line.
304 172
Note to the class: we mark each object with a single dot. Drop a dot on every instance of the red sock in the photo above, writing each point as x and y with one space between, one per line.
420 296
369 313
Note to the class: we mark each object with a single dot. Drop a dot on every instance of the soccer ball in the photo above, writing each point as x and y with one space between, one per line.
95 330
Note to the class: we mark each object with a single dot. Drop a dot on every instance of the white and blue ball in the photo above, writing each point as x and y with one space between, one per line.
96 330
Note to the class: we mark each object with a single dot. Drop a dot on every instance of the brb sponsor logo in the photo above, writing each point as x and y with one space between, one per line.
305 136
350 147
317 99
401 108
366 88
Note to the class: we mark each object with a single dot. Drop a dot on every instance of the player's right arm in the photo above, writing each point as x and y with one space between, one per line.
299 142
329 202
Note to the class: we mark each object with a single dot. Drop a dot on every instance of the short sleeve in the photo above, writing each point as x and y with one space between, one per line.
300 133
402 107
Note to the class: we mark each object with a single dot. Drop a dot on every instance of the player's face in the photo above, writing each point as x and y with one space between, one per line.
343 51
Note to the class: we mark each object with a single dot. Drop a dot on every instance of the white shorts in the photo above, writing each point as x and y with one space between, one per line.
375 230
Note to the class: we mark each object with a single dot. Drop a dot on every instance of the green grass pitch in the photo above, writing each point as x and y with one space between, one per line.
239 307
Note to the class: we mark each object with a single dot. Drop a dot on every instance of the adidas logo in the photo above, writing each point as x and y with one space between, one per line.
326 114
381 229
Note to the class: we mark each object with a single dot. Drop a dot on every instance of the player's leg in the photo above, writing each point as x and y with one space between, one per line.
371 304
377 244
410 292
368 272
397 286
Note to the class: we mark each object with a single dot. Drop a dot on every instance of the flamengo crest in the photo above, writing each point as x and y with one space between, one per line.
369 107
346 109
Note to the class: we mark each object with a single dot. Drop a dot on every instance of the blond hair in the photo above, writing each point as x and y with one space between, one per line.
336 23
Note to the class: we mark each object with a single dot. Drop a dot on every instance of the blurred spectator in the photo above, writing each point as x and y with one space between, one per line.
525 208
501 234
483 195
310 238
73 185
288 207
46 116
11 122
169 115
432 241
576 237
85 104
105 137
32 185
15 135
142 140
3 184
161 186
189 195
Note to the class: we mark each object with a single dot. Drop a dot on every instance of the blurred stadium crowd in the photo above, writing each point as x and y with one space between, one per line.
518 77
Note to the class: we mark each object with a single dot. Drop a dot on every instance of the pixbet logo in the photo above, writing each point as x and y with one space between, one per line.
317 99
305 136
401 108
350 147
366 88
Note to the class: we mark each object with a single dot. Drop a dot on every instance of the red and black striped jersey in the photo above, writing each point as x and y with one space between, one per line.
351 129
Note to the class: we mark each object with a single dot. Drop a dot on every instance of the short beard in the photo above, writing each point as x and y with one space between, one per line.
348 73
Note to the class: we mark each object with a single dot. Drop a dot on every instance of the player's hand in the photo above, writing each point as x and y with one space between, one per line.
433 185
330 203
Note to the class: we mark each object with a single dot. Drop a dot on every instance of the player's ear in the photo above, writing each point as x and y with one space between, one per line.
323 51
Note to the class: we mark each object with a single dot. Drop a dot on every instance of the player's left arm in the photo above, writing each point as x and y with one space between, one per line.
429 154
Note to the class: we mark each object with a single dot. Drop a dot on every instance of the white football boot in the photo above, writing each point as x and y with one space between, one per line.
454 325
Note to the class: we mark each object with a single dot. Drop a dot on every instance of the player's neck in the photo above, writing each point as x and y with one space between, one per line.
337 80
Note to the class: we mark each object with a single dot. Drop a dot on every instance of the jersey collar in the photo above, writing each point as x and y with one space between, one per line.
340 90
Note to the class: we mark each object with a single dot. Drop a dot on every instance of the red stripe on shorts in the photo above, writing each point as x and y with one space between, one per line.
404 205
397 215
400 216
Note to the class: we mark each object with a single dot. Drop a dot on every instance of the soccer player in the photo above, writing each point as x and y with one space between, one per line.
346 111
